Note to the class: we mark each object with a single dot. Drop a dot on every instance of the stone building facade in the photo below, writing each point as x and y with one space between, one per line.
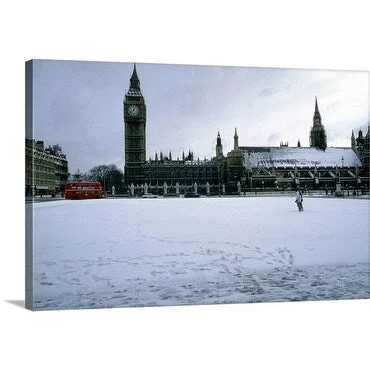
243 168
46 168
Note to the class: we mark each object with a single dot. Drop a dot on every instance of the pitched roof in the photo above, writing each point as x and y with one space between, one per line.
299 156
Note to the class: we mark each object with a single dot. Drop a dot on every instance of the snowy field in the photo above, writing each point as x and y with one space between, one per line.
155 252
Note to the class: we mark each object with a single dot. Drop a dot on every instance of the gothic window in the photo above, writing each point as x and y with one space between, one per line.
134 143
133 129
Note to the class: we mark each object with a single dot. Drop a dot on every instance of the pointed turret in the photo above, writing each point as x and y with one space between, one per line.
134 80
317 115
236 140
353 140
134 89
219 154
318 133
218 138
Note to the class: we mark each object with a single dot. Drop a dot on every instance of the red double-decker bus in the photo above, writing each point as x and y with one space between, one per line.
83 190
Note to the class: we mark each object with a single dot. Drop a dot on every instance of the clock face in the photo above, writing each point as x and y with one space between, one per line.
133 110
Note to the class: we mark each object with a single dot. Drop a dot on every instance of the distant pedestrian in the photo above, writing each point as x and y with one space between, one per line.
299 200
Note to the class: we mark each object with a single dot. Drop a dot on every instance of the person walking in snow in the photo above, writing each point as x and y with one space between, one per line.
299 200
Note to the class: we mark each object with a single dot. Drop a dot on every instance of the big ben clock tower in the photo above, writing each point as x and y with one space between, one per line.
134 112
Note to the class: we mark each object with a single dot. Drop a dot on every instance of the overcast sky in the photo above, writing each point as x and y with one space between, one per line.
79 105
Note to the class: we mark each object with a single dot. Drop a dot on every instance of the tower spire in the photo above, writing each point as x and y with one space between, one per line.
236 140
317 134
353 140
134 80
316 116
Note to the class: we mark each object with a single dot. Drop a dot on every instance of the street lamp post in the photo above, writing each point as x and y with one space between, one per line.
103 174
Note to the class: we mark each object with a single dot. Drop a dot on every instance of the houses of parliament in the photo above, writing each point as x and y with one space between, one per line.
245 168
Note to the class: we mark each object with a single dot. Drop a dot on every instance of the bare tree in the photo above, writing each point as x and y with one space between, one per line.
108 176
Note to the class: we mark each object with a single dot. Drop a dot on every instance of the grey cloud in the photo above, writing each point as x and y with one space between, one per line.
267 91
331 107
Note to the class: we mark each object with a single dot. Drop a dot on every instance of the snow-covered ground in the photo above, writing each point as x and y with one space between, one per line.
152 252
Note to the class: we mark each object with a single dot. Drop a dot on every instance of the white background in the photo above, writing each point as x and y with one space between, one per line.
277 34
